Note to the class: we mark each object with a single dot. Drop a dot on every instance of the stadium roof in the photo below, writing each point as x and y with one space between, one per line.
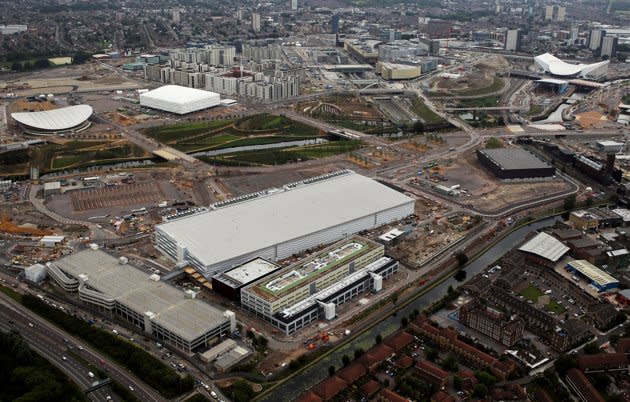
555 66
189 318
54 120
601 278
253 225
545 246
514 158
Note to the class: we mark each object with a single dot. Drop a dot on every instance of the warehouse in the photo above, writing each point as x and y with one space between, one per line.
179 100
277 223
514 163
598 278
169 314
311 289
230 282
544 249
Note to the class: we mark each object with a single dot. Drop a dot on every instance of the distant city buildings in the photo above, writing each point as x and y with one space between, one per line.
555 13
256 22
512 40
609 46
294 5
334 24
595 39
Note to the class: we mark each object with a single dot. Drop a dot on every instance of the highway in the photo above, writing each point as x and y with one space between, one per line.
47 337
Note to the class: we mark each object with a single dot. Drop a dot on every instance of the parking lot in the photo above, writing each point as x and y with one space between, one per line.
117 196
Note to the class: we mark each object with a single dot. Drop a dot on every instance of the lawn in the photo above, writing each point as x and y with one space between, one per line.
532 293
425 113
554 307
257 129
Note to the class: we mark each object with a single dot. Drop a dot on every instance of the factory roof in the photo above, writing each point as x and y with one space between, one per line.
546 246
178 94
593 273
248 272
278 216
189 318
514 158
57 119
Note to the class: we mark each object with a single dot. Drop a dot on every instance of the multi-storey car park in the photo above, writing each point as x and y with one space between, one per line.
310 289
114 286
277 223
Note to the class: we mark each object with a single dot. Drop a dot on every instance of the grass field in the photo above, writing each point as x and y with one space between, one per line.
257 129
554 307
425 113
531 293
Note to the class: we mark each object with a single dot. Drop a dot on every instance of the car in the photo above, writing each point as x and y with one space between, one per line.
80 347
213 394
90 374
131 388
30 324
64 358
108 398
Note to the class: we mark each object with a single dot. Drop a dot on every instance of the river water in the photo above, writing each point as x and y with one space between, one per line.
284 144
295 386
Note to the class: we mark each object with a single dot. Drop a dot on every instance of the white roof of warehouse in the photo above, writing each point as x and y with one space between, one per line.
545 246
592 272
56 119
189 318
248 226
178 94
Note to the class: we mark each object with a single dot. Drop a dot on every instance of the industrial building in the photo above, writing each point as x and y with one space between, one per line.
71 119
514 163
301 293
230 282
598 278
554 66
391 71
167 313
277 223
179 100
544 249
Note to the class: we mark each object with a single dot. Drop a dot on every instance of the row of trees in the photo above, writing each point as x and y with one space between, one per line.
148 368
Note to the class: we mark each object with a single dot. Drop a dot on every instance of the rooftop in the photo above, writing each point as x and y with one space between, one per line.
248 272
546 246
595 274
277 217
514 158
307 270
189 318
178 94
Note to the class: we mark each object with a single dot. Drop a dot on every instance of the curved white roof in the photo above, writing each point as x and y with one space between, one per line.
57 119
555 66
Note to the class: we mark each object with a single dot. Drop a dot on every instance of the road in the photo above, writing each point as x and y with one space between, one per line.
53 338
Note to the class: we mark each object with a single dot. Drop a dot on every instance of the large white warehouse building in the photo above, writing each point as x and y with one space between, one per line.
277 223
179 100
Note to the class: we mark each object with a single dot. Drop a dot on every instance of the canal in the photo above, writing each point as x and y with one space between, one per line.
293 387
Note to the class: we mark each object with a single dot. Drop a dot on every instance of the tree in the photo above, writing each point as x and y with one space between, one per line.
358 352
404 321
431 354
564 363
462 258
591 348
345 359
378 338
418 127
493 143
480 391
458 383
331 371
450 363
569 202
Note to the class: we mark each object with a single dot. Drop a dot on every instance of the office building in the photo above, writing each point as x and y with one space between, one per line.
334 24
609 46
294 5
155 307
12 29
595 39
299 294
512 40
256 22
